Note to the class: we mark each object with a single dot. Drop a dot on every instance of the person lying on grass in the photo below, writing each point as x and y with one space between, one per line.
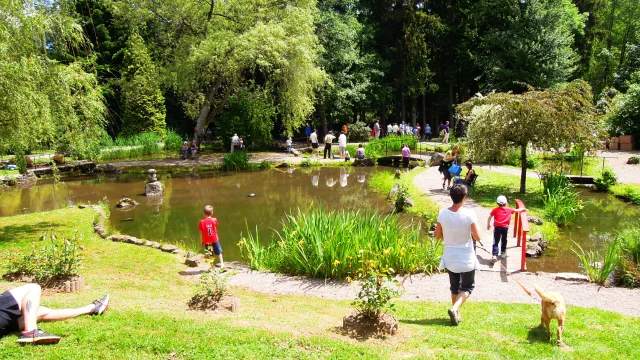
20 310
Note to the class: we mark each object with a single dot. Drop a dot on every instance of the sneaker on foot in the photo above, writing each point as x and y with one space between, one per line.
503 256
101 305
455 320
494 259
218 265
37 337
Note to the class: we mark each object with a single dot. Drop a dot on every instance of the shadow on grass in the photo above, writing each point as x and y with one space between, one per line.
428 322
537 335
21 233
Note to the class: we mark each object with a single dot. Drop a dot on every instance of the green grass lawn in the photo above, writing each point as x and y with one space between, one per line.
5 172
147 318
628 192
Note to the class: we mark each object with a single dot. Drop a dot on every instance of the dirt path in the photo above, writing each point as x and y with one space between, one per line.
617 161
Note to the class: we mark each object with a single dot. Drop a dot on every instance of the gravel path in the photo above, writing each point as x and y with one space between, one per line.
617 160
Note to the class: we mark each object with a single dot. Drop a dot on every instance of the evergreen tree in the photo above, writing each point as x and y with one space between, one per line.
144 108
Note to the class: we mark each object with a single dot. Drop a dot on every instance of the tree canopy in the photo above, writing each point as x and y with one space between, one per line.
545 120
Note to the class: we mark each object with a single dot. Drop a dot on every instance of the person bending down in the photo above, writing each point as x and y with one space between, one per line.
20 310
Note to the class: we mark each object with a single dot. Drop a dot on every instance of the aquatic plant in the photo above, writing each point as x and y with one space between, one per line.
628 273
561 202
598 267
327 244
238 160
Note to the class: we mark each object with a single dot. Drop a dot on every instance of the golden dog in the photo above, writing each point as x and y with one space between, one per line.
553 307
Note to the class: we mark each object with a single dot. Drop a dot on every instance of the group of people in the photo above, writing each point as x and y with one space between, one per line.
189 150
237 143
405 129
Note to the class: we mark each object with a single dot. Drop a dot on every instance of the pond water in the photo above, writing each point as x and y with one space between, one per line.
602 214
174 217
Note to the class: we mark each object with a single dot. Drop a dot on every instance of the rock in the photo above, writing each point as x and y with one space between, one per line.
536 237
435 159
151 176
295 152
193 260
127 219
153 189
363 162
27 180
154 244
408 202
123 238
571 277
169 248
109 169
126 202
135 241
82 206
398 174
393 191
284 164
533 249
535 220
195 270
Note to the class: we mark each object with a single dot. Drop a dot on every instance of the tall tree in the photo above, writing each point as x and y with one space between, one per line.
144 108
527 43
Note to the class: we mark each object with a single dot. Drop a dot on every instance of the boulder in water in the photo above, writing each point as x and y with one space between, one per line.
126 202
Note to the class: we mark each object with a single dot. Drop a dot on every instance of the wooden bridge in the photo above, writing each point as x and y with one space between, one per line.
396 160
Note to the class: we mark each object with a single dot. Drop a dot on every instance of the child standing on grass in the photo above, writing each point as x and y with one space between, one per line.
502 219
209 229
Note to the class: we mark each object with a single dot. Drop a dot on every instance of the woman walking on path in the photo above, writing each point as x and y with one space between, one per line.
449 158
458 228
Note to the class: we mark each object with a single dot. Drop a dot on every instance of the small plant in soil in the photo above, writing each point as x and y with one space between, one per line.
212 292
377 288
401 198
59 259
634 160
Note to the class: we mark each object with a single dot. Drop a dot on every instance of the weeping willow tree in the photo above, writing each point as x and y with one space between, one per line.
545 120
43 101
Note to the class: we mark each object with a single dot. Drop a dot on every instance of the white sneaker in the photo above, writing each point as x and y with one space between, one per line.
503 256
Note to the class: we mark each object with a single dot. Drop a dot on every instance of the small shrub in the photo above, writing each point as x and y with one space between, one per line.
235 161
377 287
401 198
598 267
359 132
264 165
213 286
173 141
634 160
58 258
21 163
306 162
606 180
561 201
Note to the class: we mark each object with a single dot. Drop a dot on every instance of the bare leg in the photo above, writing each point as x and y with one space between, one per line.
460 299
454 297
220 260
46 314
28 299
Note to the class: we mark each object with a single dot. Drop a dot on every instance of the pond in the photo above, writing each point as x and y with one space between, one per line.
174 217
602 214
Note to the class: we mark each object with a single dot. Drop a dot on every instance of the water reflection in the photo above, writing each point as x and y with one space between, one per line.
343 177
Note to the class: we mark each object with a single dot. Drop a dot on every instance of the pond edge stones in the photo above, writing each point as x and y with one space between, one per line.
153 187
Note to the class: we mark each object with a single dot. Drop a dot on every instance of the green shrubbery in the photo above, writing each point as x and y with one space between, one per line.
58 258
250 115
389 145
377 287
327 244
209 291
560 200
634 160
359 132
235 161
628 192
628 274
606 180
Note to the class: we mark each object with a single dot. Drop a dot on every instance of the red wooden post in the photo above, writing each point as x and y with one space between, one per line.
522 225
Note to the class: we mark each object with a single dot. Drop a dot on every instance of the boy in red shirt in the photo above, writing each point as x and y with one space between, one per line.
209 229
502 215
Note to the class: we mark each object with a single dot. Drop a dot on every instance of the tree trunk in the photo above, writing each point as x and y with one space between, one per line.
424 112
203 118
323 117
404 110
523 173
414 111
363 115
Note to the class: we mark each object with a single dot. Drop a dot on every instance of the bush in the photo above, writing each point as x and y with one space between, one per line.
402 198
22 163
212 286
605 181
237 160
173 141
359 132
634 160
598 267
377 287
326 244
264 165
628 273
58 159
58 258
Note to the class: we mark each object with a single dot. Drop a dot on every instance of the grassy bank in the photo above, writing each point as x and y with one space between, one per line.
147 318
627 192
382 182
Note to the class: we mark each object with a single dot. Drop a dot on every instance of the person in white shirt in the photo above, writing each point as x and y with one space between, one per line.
395 129
376 129
234 141
360 152
328 139
458 228
289 142
389 129
314 141
342 144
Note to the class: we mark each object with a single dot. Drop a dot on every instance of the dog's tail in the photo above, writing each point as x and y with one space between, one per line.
544 295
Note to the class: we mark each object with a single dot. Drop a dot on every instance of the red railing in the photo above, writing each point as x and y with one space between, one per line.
520 231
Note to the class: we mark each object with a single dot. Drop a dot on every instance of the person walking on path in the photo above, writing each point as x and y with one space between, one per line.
427 132
314 142
342 144
328 139
406 155
502 219
234 141
449 158
20 309
445 138
458 229
376 129
307 132
208 228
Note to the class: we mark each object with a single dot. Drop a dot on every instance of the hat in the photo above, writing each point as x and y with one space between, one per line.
502 200
185 143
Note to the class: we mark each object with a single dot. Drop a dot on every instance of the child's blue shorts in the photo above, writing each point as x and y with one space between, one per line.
213 247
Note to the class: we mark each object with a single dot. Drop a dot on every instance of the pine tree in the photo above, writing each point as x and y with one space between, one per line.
144 108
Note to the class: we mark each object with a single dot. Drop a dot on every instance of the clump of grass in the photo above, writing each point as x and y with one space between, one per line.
561 201
599 267
235 161
628 192
628 274
264 165
325 244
